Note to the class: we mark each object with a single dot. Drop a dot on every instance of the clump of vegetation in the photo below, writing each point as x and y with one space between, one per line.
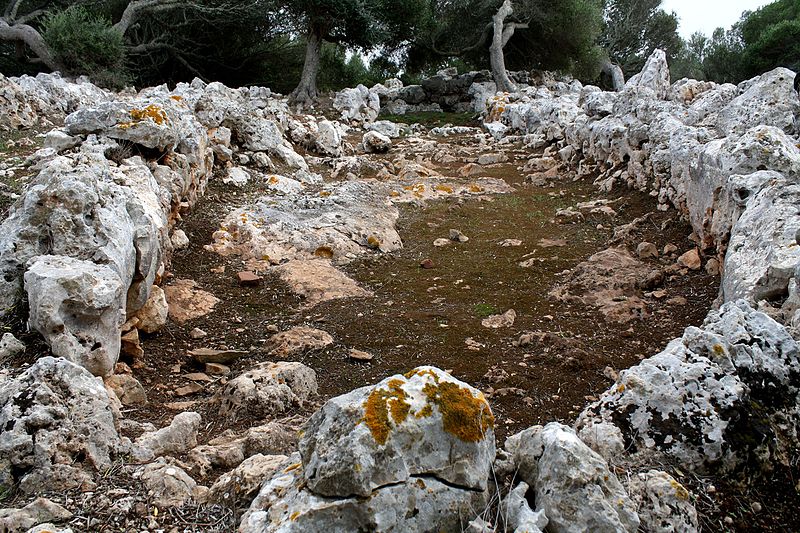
86 43
484 310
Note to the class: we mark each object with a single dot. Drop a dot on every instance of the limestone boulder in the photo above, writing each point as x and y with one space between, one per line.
426 423
768 100
385 127
268 389
177 438
694 401
243 483
357 104
167 484
376 143
328 140
426 504
297 341
39 511
15 109
663 504
347 220
762 253
59 427
576 489
78 307
653 77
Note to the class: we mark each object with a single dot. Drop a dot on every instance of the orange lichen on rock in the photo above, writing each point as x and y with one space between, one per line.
153 112
463 415
382 403
373 242
444 188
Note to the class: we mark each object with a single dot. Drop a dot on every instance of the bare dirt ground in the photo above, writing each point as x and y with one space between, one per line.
555 358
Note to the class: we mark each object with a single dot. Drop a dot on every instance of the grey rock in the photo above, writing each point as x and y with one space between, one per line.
663 504
58 427
268 389
10 347
179 437
426 424
40 510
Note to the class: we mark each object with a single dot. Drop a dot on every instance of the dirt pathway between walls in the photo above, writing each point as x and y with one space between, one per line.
555 357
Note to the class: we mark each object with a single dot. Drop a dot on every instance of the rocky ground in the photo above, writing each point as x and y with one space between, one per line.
259 265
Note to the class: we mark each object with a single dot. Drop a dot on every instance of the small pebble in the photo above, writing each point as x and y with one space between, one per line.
756 507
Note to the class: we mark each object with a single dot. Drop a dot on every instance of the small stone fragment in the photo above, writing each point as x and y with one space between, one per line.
359 355
505 320
197 333
186 390
713 267
690 260
670 249
127 388
10 346
216 369
179 240
427 264
646 250
510 243
198 376
249 279
440 243
457 236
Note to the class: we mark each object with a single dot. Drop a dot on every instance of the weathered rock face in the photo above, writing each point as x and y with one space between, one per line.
694 401
423 424
376 143
663 504
427 504
78 307
574 486
357 105
764 100
58 427
610 281
179 437
15 110
653 77
268 389
347 220
102 223
412 453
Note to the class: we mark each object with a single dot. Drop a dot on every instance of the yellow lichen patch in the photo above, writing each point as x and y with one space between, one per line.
373 241
324 251
680 491
621 388
718 349
444 188
463 415
177 98
422 372
273 180
425 412
325 194
153 112
394 194
476 188
291 467
382 403
295 515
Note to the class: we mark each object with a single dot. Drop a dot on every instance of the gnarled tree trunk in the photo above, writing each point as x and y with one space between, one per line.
614 71
502 34
32 38
306 90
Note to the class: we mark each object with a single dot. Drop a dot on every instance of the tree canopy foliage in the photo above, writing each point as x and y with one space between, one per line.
309 44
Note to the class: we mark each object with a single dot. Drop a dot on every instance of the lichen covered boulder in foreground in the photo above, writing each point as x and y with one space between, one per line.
423 423
412 453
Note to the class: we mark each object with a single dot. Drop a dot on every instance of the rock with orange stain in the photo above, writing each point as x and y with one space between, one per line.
424 423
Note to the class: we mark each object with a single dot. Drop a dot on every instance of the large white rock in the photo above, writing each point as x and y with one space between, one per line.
376 143
654 76
328 140
426 423
59 426
15 109
576 489
694 401
763 253
422 505
78 307
768 100
345 221
357 104
177 438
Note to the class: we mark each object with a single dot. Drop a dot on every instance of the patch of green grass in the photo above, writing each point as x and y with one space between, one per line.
433 119
484 310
